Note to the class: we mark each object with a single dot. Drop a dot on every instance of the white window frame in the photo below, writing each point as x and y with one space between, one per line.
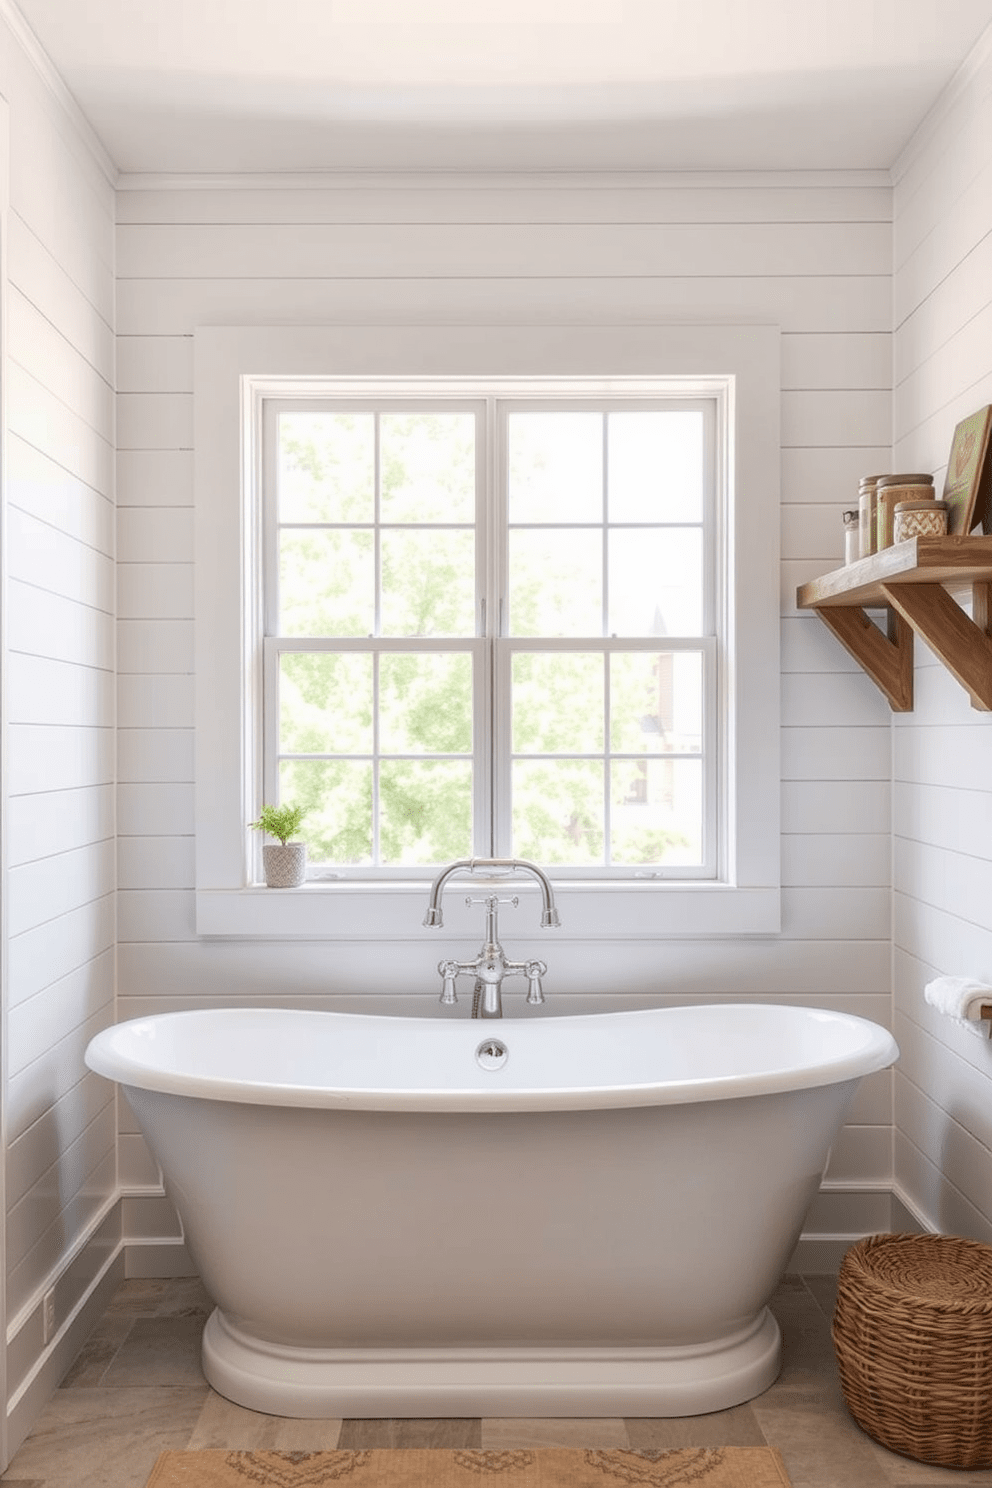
235 368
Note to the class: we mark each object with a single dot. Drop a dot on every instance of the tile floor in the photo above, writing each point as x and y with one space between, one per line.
136 1390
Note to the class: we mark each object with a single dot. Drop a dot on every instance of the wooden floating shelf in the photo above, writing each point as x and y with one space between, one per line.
914 582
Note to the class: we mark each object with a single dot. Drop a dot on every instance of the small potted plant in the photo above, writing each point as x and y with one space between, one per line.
285 862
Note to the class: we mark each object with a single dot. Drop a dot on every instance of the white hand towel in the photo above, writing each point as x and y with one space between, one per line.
961 999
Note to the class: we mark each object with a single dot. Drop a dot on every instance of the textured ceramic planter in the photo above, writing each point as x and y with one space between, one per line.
285 864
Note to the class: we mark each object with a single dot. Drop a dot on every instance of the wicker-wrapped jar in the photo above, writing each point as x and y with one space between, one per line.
913 1335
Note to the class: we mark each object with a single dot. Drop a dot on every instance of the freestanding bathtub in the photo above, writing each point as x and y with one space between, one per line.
565 1216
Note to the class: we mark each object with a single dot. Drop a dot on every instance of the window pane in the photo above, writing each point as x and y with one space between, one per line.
425 811
425 703
557 703
338 794
656 702
556 467
428 583
556 583
428 467
325 703
656 582
326 467
655 467
558 811
656 811
326 583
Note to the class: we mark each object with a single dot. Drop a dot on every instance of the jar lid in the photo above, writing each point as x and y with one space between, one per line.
851 516
905 480
921 506
869 480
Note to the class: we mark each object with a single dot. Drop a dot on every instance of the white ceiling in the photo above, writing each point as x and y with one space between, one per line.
282 85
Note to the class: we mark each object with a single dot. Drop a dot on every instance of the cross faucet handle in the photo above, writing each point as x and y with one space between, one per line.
491 900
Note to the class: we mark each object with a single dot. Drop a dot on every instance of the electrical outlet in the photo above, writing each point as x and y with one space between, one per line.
48 1315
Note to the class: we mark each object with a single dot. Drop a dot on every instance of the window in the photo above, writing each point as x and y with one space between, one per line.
490 630
459 613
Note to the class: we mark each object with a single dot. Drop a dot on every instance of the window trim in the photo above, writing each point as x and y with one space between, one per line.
229 529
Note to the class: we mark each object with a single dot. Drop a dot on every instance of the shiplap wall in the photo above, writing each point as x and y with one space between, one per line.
942 768
60 708
812 254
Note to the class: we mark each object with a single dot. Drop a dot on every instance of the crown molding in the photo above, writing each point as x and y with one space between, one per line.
497 180
977 58
43 65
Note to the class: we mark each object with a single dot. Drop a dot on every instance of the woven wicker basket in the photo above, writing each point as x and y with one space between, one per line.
913 1335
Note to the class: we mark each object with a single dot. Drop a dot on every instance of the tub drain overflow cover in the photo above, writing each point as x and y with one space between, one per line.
491 1054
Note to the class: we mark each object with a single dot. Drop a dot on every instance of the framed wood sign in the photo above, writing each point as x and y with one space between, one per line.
969 475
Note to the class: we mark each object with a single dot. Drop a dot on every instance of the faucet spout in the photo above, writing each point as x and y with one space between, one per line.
549 914
491 965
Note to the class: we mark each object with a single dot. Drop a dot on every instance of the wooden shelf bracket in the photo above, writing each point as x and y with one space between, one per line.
887 658
962 644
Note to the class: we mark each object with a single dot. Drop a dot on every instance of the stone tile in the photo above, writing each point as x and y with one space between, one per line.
730 1428
91 1363
141 1297
224 1424
423 1431
821 1447
503 1433
317 1435
904 1472
105 1438
824 1291
809 1365
186 1296
163 1351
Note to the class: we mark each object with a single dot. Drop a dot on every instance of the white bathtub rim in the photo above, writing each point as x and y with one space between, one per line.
539 1381
108 1055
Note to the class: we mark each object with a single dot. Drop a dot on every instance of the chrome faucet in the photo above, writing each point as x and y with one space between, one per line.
491 965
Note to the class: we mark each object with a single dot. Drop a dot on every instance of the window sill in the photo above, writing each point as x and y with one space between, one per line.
395 911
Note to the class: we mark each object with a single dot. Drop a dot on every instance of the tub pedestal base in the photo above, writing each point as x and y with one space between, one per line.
687 1380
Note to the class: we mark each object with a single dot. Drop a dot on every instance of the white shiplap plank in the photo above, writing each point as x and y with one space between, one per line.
432 201
38 485
155 591
69 1003
40 623
30 1156
155 646
41 892
797 303
155 535
155 701
944 816
831 969
822 807
829 419
40 690
154 478
37 957
831 476
155 364
58 757
836 861
494 250
41 280
41 420
160 755
153 809
842 362
43 351
49 560
832 700
156 862
52 822
154 421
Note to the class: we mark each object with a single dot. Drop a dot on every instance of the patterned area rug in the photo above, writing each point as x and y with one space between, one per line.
707 1467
